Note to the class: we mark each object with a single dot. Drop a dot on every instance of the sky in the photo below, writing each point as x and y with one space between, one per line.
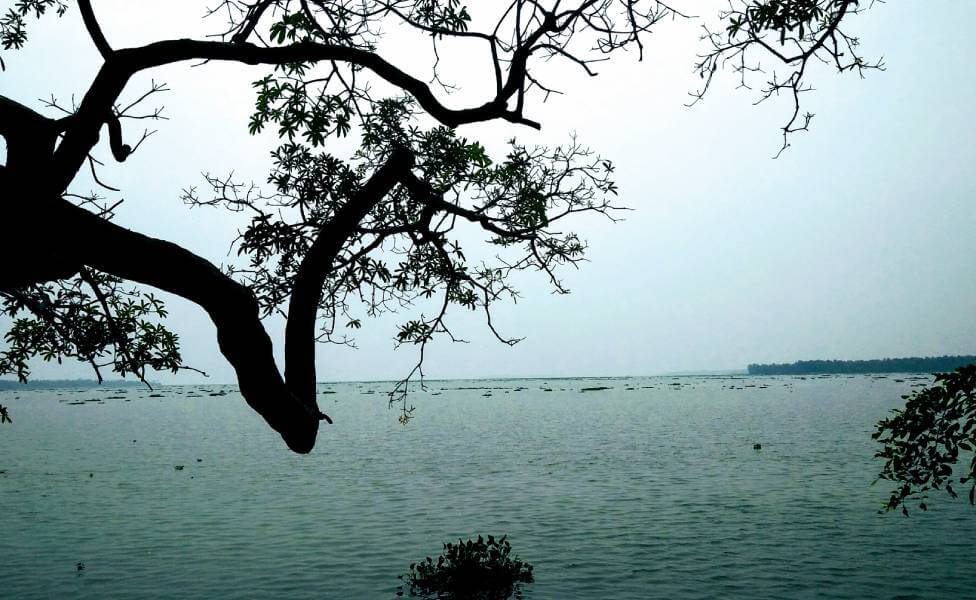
856 243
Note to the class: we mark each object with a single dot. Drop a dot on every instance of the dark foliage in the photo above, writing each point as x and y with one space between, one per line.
476 570
924 440
92 318
932 364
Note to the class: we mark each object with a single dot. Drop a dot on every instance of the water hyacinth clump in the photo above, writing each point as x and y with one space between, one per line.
479 569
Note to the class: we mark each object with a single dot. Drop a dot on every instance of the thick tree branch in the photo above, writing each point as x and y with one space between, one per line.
232 308
30 135
318 264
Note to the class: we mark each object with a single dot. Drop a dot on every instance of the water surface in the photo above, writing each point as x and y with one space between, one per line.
649 489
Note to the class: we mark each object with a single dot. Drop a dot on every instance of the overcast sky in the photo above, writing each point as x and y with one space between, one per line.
858 242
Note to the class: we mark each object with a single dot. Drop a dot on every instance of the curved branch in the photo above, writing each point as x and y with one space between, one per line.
120 151
162 53
94 29
123 64
232 308
316 266
254 14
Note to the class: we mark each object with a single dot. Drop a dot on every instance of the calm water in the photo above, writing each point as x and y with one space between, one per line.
650 489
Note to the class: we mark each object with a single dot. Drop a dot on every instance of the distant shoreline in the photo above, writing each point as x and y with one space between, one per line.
67 384
925 365
914 364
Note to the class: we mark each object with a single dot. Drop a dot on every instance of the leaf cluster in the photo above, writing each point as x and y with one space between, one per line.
923 441
13 23
442 17
786 16
91 318
404 248
473 569
13 27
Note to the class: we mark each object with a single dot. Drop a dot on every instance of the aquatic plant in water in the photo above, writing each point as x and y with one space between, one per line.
481 570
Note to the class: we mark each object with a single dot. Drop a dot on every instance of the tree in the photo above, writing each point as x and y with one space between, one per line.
337 238
922 441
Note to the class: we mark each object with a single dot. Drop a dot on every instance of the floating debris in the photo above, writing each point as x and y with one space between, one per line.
178 467
599 388
757 446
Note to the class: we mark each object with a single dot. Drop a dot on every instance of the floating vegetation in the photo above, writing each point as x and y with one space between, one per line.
478 569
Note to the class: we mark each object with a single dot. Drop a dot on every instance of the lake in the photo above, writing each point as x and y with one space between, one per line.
649 489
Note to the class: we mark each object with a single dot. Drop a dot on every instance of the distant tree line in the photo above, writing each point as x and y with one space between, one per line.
914 364
60 384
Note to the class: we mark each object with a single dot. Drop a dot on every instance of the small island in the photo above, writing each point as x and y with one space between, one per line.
914 364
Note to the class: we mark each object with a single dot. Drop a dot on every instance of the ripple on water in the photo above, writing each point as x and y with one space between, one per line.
649 492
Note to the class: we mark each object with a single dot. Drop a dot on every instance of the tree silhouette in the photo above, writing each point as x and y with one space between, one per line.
336 238
926 439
